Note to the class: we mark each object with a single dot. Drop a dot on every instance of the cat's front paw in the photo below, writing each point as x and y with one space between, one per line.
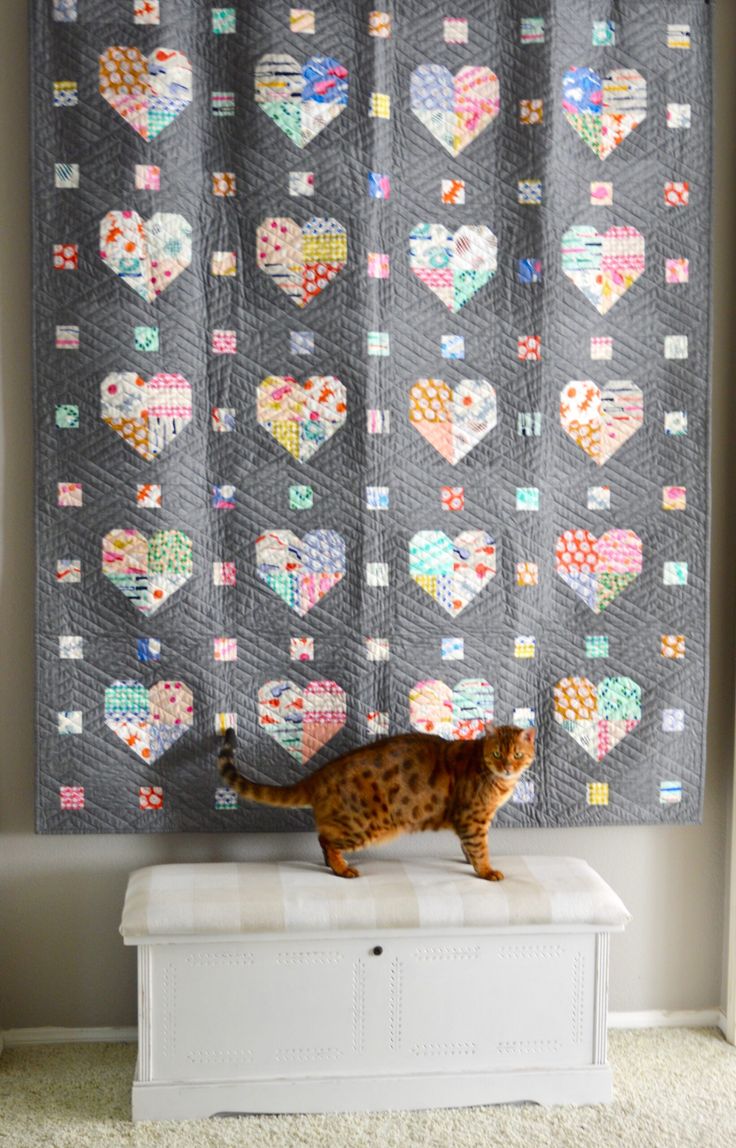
492 875
350 872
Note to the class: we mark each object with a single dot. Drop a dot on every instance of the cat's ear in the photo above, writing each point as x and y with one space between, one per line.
490 729
528 735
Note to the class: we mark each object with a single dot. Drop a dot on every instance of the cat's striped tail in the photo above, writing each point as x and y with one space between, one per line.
293 795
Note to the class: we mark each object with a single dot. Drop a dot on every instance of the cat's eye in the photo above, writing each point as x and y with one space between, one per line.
518 756
496 753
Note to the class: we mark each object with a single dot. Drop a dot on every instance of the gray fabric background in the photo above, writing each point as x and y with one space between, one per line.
106 310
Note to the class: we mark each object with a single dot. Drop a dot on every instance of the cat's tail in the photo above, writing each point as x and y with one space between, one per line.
293 795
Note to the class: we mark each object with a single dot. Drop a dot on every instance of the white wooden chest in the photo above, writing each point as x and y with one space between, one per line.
280 988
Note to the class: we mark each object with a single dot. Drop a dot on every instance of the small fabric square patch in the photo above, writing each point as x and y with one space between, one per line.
377 497
452 649
148 649
675 423
601 347
223 419
596 646
222 103
64 11
674 573
66 256
224 342
66 175
69 721
301 183
67 338
147 177
223 497
678 36
377 574
455 30
150 798
675 347
146 338
527 498
224 263
529 191
452 346
225 799
674 498
604 33
69 494
531 111
673 646
377 723
301 21
532 30
679 116
379 422
524 718
599 498
529 424
224 184
378 265
224 573
66 93
601 193
146 12
452 497
224 722
225 649
529 348
677 193
453 191
676 270
673 721
301 497
379 25
223 21
597 792
71 646
527 574
524 792
378 343
530 270
301 649
71 797
67 416
379 185
68 570
301 342
380 106
377 649
670 792
525 646
149 495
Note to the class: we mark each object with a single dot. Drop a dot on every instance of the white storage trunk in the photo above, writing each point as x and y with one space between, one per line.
281 988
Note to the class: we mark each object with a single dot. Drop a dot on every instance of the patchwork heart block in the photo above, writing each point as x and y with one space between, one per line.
598 569
301 260
453 266
600 420
147 570
300 570
147 255
455 109
302 720
604 111
149 92
597 717
452 571
147 415
149 721
301 418
604 266
301 99
453 422
461 714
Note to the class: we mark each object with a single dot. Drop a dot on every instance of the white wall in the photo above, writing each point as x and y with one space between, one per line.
61 960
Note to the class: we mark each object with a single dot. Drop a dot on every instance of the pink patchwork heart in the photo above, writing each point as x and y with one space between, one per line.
149 721
603 267
300 570
147 570
600 420
598 569
597 717
148 92
453 422
455 109
301 260
301 418
457 714
148 255
146 415
604 111
452 570
301 720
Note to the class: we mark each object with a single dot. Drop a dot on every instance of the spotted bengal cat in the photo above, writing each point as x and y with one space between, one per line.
402 784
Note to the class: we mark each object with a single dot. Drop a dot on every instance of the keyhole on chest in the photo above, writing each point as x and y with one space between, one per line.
377 950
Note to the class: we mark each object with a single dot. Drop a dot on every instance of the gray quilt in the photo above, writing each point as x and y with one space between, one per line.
371 379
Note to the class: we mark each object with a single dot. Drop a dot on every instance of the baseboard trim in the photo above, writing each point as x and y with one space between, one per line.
650 1018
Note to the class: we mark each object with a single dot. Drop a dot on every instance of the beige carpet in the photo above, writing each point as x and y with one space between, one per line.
674 1087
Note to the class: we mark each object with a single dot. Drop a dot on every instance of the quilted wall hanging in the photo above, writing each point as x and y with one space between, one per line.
371 378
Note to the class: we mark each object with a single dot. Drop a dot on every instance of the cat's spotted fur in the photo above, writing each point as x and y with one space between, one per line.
401 785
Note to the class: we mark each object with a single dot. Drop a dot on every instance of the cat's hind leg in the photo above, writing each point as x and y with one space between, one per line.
332 852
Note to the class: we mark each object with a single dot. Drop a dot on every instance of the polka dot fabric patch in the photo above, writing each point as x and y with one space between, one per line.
371 361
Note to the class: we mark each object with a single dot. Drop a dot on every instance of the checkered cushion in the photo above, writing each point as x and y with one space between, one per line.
264 897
